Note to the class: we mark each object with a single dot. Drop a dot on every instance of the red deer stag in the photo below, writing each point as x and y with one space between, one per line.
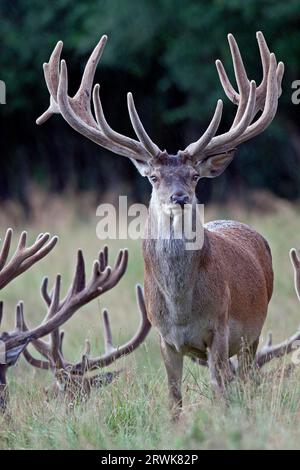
207 302
59 311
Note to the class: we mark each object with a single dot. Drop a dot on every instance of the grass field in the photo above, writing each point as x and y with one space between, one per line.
132 412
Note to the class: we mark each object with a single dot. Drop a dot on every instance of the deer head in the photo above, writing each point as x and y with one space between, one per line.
173 177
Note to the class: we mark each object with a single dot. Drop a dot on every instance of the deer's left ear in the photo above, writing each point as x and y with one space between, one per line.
215 164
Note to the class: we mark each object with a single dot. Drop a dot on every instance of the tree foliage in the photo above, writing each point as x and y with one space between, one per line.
163 51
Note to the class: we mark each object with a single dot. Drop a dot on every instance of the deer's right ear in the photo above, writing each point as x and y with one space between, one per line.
142 167
215 164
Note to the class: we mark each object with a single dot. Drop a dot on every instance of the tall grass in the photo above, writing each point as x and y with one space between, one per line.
132 412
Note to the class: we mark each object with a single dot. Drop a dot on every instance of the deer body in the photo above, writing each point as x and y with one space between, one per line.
189 294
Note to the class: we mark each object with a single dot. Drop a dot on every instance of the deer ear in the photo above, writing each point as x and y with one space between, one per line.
215 164
142 167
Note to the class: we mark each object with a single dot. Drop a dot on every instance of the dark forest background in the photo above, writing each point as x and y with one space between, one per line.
164 52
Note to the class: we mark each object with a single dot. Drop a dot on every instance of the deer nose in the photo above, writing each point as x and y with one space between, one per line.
179 198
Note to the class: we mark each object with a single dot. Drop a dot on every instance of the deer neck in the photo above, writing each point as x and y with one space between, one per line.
173 266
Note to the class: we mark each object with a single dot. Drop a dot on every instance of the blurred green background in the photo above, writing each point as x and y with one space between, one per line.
164 52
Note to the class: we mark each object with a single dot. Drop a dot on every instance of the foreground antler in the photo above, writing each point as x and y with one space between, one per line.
12 343
269 351
59 310
74 379
249 100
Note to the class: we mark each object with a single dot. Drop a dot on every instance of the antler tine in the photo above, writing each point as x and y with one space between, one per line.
121 263
265 59
241 79
38 363
117 272
5 247
239 68
20 324
86 84
1 311
115 353
196 147
56 351
98 277
115 137
51 70
51 73
138 127
23 257
61 338
268 352
44 291
41 346
78 283
108 345
55 299
120 259
225 82
295 258
105 253
103 258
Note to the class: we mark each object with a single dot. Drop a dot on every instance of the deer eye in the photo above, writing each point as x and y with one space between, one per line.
153 178
195 177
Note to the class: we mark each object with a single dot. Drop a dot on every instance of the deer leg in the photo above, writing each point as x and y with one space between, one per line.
246 357
218 361
174 364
